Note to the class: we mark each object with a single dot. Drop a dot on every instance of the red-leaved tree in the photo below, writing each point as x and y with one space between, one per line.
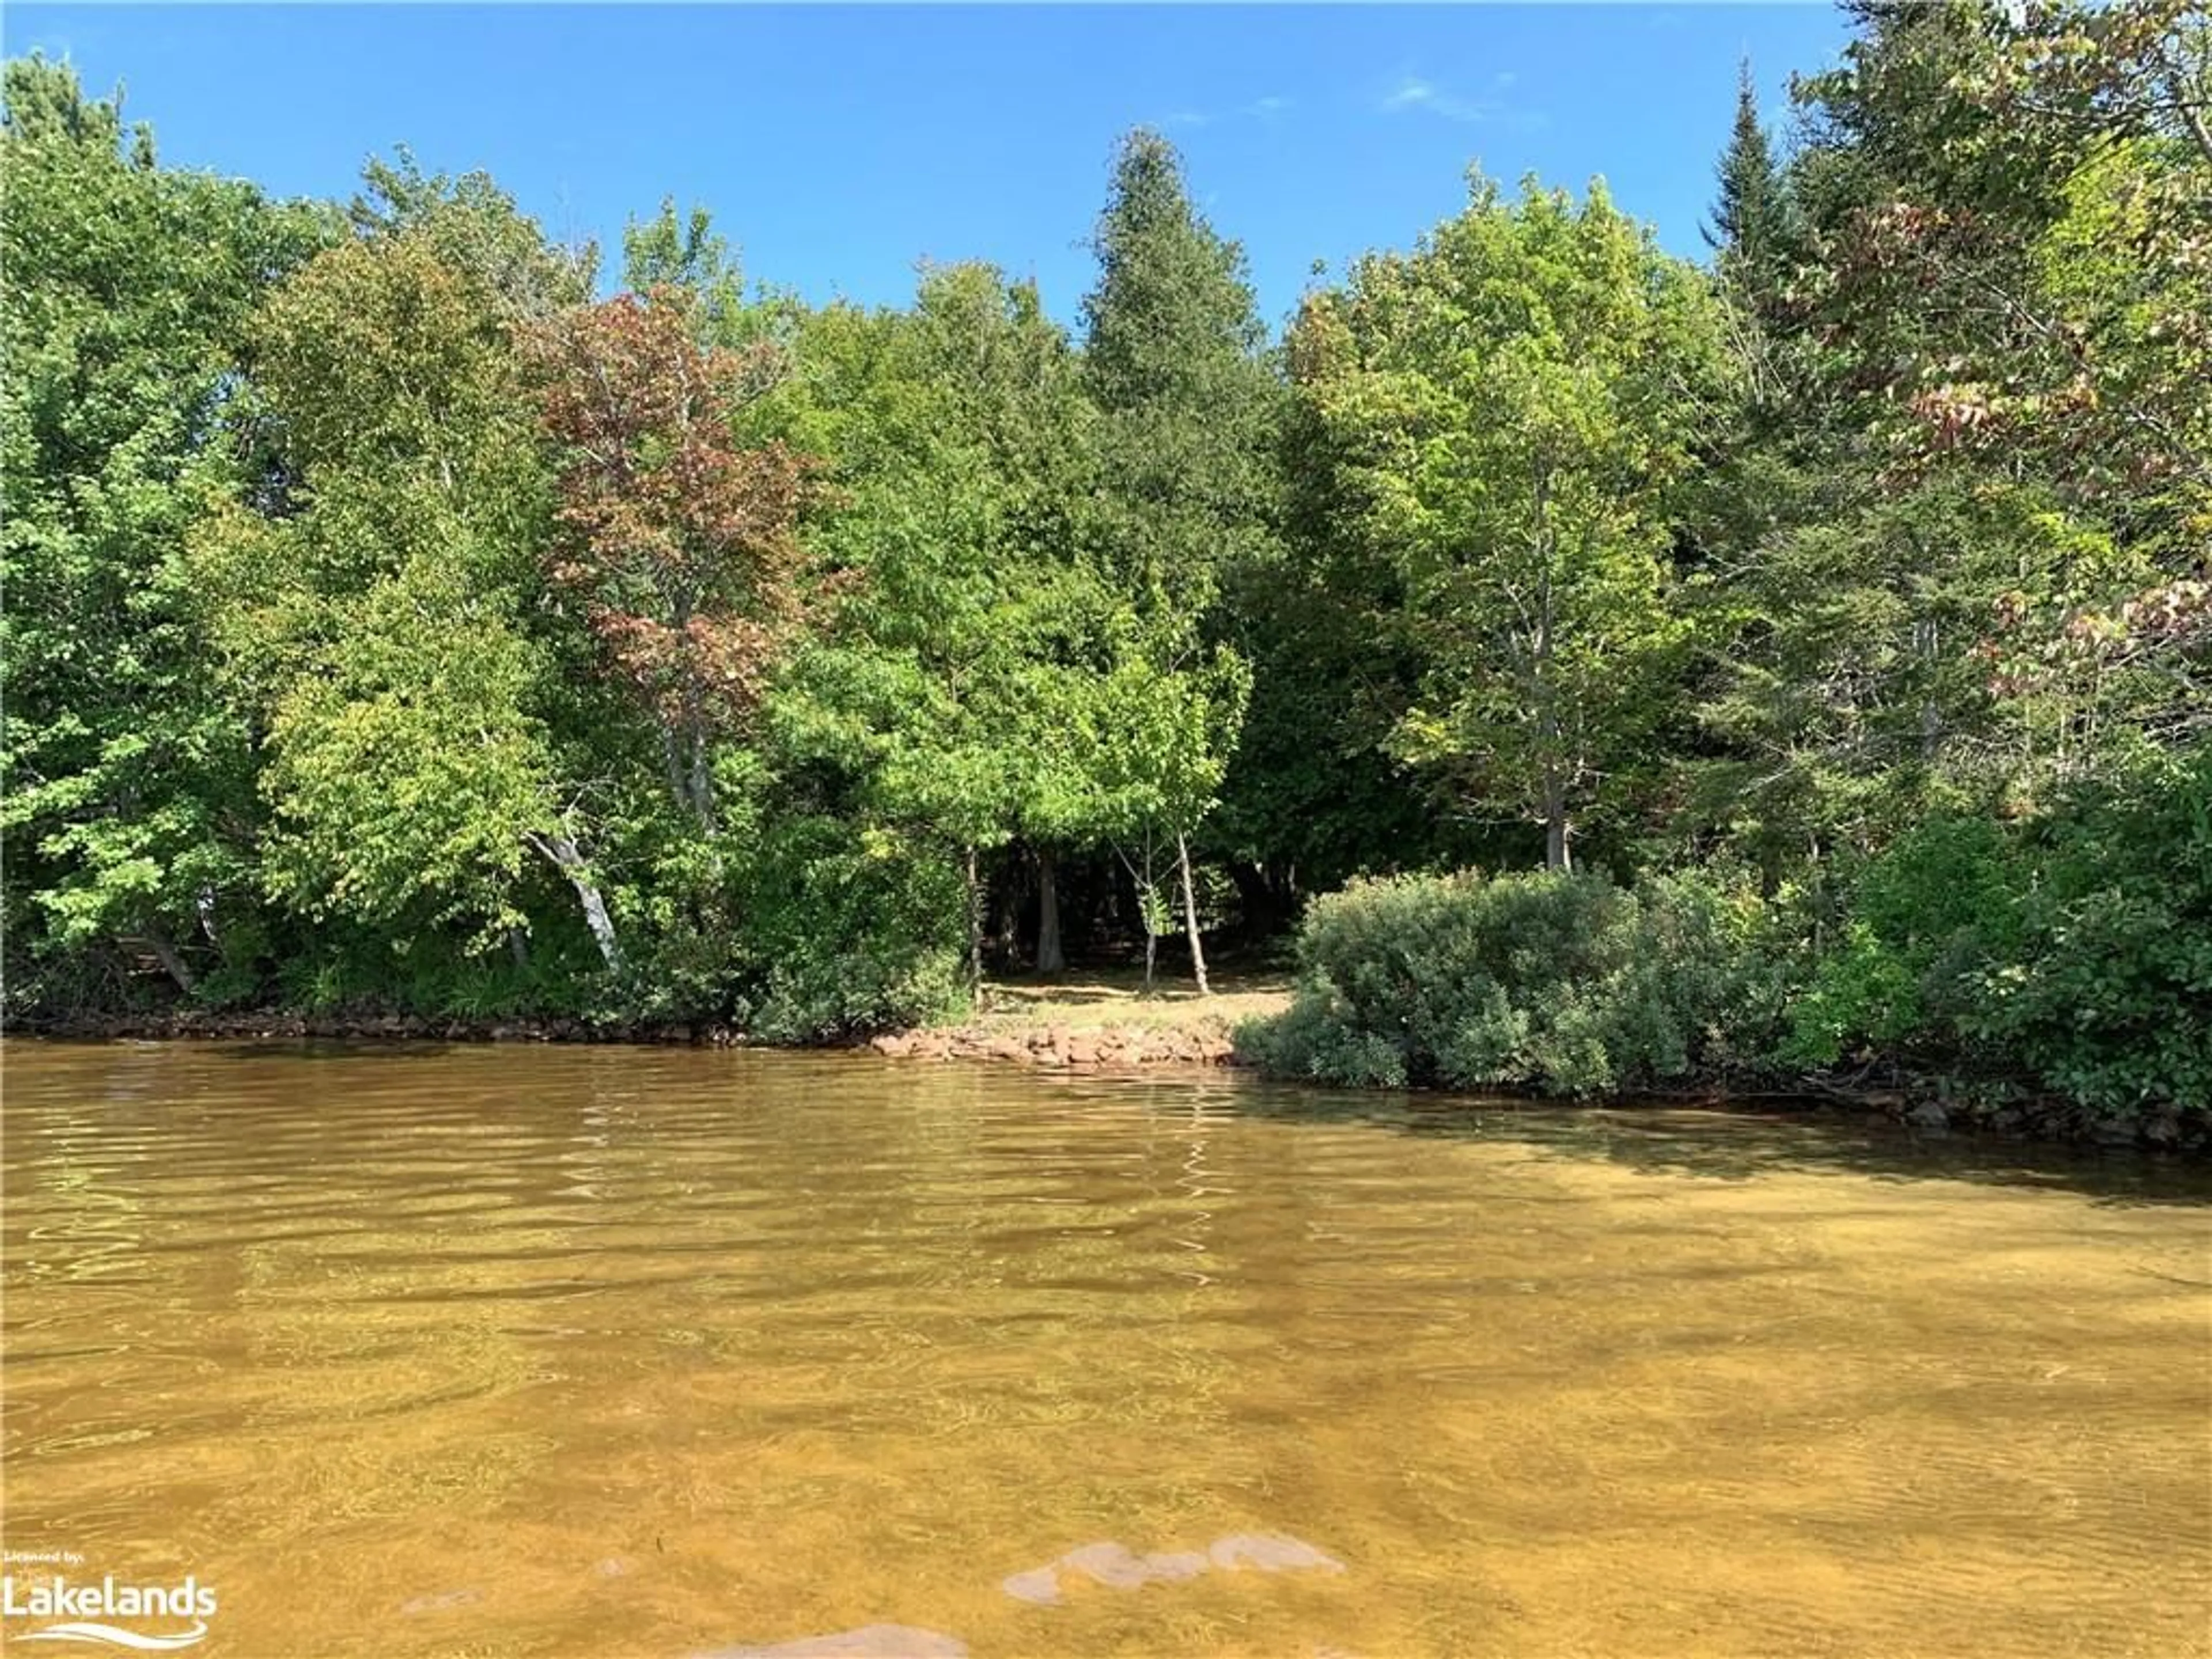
680 542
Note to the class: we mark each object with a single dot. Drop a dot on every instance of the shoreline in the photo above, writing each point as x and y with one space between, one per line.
1063 1047
1120 1035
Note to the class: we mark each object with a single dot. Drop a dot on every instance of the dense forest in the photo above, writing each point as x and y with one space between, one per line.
1610 668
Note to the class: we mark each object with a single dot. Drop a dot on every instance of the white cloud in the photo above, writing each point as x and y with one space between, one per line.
1418 93
1413 93
1260 109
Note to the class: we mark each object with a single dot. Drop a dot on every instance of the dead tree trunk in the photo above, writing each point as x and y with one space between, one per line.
570 861
171 960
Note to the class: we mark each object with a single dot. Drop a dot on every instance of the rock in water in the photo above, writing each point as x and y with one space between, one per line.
1176 1564
442 1601
869 1642
1928 1115
1116 1566
1111 1564
1039 1585
1270 1552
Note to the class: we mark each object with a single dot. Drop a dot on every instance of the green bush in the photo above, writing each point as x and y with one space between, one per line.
849 931
1919 920
2066 956
2105 994
1566 984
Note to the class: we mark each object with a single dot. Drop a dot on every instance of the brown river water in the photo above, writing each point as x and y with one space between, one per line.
601 1352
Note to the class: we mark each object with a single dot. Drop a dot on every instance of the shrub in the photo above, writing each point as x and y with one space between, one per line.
849 931
2105 994
2067 955
1567 984
1920 919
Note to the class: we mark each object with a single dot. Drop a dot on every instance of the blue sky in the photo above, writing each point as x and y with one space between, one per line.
837 146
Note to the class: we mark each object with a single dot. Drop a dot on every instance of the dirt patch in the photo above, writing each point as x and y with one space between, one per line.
1099 1022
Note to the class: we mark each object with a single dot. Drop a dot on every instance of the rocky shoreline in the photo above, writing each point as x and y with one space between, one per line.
1055 1045
1061 1048
1052 1045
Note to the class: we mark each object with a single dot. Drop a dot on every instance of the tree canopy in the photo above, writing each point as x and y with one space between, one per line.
404 611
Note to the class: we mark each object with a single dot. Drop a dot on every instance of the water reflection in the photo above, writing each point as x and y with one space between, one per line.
1749 1141
657 1352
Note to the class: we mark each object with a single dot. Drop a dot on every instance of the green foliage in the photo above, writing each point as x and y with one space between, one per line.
1940 897
377 636
1173 358
2067 954
1564 983
1753 225
406 777
1187 403
474 230
849 934
2105 995
959 657
1507 410
389 624
130 801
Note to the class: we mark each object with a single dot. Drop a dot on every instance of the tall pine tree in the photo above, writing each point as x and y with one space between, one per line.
1750 223
1174 361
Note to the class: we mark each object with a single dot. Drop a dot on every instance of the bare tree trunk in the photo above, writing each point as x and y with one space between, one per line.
562 850
1050 957
1559 854
2190 109
1142 885
1926 642
686 763
1190 916
975 933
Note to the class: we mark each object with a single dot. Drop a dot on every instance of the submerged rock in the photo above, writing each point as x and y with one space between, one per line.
1171 1565
869 1642
441 1601
1111 1564
1040 1586
1270 1552
1114 1564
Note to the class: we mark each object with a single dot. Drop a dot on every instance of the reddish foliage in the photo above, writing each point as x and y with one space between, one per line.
681 544
2026 654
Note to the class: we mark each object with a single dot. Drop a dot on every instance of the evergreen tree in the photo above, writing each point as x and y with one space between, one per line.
1750 225
1174 359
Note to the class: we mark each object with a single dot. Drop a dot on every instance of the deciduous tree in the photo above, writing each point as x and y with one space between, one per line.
1509 406
676 542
